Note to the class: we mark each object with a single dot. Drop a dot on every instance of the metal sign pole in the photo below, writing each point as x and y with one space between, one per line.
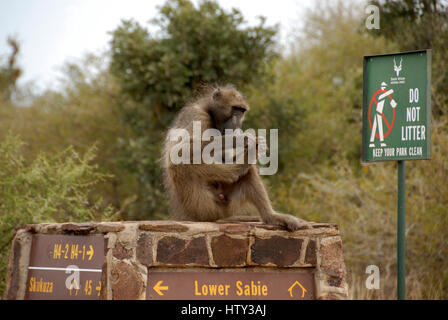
401 232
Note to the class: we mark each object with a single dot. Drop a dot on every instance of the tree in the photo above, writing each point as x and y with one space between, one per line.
10 72
420 24
193 46
189 47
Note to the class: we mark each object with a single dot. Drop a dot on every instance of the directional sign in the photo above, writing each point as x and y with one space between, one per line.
230 285
65 267
397 106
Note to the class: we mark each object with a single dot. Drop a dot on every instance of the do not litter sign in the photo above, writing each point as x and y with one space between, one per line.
397 107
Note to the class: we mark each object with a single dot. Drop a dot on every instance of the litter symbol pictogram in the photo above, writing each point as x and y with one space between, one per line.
379 100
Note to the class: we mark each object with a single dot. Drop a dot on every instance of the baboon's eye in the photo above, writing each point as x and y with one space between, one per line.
238 108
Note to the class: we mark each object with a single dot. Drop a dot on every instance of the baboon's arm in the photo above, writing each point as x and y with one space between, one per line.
222 172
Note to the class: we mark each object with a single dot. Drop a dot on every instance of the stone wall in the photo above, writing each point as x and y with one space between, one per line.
134 249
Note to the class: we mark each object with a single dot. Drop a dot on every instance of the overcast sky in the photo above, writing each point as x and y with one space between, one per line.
54 31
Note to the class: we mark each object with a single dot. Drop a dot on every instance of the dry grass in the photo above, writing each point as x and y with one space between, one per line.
363 202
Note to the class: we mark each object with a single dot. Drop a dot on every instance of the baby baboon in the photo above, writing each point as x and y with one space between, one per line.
209 192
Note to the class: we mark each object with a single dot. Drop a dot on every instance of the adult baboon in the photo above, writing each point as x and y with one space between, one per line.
209 192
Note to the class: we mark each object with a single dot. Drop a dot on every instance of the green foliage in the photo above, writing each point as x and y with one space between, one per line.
194 46
49 188
420 24
82 111
272 108
323 75
141 159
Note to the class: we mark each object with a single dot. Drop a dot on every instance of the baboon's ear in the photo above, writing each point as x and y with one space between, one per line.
217 94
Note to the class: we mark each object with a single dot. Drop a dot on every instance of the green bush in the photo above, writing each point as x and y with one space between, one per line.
48 189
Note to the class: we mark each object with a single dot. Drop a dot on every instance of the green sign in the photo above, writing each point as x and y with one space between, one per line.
397 106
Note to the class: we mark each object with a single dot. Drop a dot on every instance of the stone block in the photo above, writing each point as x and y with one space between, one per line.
162 226
78 228
144 249
106 227
121 252
239 228
127 283
177 251
310 255
280 251
229 251
332 262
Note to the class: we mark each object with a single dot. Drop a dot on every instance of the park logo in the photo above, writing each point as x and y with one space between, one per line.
397 69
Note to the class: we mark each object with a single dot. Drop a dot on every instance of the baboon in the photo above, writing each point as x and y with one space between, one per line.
210 192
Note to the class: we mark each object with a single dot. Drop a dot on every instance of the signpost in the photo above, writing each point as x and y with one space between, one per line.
397 122
229 285
65 267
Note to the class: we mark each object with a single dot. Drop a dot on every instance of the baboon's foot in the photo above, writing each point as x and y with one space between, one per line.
288 221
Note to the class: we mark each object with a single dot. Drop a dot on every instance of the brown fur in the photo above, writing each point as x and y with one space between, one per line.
209 192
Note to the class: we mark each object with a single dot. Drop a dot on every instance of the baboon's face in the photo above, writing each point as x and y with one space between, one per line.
228 109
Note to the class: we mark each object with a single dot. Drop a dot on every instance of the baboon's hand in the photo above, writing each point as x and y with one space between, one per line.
251 141
256 143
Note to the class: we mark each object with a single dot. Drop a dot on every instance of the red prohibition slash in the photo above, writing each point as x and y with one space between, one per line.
389 126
